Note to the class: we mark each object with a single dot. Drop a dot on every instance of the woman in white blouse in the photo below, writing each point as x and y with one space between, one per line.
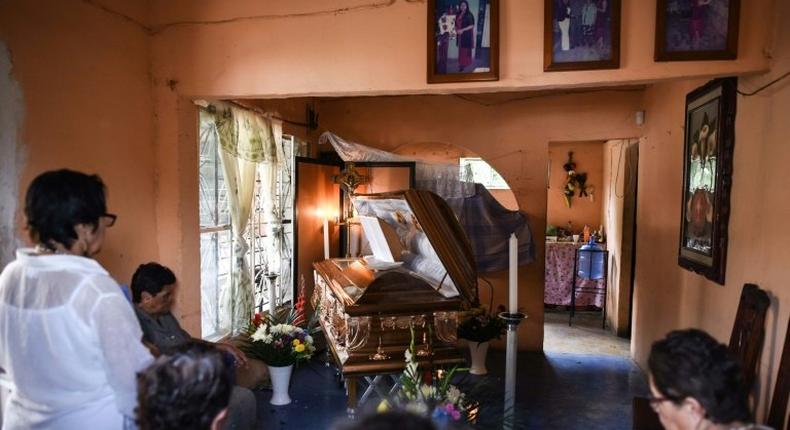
69 341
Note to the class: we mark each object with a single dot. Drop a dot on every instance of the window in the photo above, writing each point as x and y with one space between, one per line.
481 172
270 244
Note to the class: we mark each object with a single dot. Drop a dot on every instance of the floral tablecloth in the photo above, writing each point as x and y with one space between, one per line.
559 275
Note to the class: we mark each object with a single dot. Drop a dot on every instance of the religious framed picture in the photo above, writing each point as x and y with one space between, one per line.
581 35
690 30
709 136
463 40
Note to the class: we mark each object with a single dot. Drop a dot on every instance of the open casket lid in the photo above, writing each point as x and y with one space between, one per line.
447 251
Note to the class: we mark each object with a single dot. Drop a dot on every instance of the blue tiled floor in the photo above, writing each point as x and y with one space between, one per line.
554 391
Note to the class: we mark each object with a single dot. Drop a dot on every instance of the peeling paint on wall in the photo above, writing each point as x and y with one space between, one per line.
11 155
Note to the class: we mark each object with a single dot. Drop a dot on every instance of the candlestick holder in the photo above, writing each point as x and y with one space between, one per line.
512 320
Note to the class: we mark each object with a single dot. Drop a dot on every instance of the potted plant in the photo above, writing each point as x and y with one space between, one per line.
280 342
479 327
427 391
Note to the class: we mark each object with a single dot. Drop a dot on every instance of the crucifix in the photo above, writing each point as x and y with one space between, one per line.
349 179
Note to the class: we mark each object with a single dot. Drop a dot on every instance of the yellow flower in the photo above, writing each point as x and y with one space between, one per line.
299 348
383 407
296 342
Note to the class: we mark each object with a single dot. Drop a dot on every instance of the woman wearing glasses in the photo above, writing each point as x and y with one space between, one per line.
695 383
64 323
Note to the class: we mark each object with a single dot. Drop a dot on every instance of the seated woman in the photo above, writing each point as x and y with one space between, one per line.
187 390
695 383
153 290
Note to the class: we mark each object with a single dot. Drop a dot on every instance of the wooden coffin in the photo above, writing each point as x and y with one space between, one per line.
436 278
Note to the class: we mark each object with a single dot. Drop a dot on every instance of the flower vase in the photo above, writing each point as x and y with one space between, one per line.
478 352
281 379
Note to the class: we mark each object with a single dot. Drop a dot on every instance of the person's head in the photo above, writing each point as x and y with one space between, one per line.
463 6
66 211
153 288
694 378
187 390
394 420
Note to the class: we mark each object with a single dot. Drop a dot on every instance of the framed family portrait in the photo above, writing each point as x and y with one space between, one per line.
707 176
690 30
463 40
581 35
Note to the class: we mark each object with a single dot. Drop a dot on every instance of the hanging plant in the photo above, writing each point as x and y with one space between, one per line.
575 181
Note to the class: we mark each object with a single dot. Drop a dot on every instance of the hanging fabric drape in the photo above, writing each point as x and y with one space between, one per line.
246 140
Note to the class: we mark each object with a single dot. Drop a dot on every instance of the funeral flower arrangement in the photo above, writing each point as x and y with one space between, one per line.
280 340
435 397
280 344
480 326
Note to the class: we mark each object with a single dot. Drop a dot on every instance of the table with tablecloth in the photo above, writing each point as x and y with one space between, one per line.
559 275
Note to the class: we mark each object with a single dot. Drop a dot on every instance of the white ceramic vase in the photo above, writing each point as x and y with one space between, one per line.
478 352
281 379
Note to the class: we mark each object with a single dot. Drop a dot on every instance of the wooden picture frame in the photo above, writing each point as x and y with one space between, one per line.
709 140
577 38
447 60
697 31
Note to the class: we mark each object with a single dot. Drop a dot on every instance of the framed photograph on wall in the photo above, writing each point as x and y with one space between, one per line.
581 35
690 30
463 40
707 177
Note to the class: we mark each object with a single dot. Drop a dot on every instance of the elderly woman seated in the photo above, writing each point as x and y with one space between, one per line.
153 291
695 383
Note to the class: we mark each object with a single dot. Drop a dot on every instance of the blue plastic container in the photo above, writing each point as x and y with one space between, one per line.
591 263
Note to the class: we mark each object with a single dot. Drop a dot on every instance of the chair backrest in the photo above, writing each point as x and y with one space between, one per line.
778 412
748 331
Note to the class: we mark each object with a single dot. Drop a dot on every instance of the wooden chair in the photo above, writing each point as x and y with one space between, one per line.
778 411
746 342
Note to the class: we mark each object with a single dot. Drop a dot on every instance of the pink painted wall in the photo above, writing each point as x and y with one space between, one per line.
667 297
87 98
513 137
583 211
344 47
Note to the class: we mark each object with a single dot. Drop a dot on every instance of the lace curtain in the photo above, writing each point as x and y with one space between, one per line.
246 140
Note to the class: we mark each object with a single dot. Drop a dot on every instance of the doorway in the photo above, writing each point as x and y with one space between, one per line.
591 201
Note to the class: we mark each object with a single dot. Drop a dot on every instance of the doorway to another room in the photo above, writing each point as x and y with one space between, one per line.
590 230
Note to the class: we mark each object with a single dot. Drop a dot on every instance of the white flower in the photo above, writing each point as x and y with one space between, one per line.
261 335
428 392
308 339
454 394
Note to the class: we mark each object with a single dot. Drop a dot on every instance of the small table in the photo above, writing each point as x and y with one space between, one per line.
559 277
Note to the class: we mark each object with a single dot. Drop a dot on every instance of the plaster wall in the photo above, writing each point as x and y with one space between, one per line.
512 136
11 154
668 297
583 210
87 106
363 47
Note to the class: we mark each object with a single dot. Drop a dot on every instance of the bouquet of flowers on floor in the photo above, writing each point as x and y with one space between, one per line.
279 340
480 326
433 397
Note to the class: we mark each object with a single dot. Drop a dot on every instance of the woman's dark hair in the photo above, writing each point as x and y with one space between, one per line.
186 390
58 200
151 278
690 363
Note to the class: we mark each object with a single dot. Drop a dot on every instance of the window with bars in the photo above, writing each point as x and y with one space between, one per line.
270 237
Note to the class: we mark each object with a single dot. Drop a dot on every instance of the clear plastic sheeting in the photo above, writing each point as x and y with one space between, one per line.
485 221
446 180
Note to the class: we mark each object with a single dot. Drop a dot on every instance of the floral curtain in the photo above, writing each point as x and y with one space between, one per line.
246 140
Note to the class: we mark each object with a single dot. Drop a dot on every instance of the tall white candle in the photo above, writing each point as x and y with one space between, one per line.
326 238
513 279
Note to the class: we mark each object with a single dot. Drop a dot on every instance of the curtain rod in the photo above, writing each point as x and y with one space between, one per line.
208 105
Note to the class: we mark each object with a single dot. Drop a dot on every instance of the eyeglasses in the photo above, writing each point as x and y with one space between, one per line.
111 217
655 402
